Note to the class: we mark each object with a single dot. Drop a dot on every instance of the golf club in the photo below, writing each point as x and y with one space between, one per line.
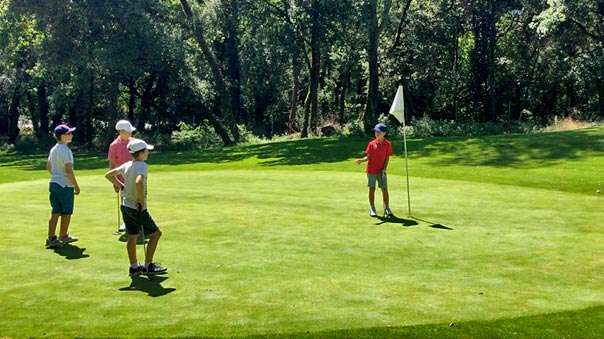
140 211
119 216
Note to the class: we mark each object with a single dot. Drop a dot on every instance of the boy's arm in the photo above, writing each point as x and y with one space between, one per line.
112 176
140 191
71 175
49 167
363 159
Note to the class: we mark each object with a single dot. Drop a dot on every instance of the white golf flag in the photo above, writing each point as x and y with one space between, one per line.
398 106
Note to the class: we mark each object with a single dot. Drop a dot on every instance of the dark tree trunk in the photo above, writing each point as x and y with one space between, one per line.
371 112
221 87
13 116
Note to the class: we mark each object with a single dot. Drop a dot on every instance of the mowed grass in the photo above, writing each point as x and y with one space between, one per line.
505 240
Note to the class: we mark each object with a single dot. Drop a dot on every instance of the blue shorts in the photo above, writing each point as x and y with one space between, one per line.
382 180
134 220
61 199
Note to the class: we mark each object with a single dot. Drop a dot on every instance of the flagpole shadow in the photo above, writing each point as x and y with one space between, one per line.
431 224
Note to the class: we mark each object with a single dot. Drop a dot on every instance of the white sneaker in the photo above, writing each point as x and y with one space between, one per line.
67 239
372 212
388 212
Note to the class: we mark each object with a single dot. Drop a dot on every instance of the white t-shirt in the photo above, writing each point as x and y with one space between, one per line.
130 170
60 155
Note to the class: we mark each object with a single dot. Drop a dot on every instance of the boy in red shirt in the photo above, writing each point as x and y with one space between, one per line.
378 153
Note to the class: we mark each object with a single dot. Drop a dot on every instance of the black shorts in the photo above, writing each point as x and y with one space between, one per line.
134 220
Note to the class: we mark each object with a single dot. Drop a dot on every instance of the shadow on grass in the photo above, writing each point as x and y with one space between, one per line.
71 252
396 220
433 225
139 241
586 323
412 221
150 285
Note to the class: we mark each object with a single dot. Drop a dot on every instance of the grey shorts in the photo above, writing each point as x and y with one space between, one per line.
382 180
134 220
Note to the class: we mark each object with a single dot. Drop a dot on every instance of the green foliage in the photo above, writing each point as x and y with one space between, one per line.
188 137
426 127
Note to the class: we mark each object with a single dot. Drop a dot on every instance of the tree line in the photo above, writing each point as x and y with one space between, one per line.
293 66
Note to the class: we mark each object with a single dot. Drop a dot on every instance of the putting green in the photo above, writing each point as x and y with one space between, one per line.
254 252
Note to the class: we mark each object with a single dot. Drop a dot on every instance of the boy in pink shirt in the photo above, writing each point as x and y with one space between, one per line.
118 152
378 153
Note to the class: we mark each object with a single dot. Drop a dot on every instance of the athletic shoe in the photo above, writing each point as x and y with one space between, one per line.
122 228
67 239
135 272
153 269
372 212
53 242
388 212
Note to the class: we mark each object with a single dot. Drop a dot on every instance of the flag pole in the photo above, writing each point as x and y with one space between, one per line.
398 111
407 170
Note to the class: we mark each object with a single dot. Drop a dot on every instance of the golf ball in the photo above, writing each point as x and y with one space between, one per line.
597 191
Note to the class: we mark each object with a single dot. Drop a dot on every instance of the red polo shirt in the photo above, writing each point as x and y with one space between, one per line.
118 151
378 152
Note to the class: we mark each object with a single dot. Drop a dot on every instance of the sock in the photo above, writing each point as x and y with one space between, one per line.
135 265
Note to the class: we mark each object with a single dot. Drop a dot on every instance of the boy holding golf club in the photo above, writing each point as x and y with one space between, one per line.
378 153
63 186
134 207
118 154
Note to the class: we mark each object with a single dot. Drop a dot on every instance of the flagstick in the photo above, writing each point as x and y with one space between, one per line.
407 171
398 111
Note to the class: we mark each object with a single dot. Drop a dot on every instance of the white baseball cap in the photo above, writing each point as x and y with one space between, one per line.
124 125
135 145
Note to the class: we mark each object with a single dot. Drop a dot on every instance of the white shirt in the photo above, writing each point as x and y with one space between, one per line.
60 155
130 170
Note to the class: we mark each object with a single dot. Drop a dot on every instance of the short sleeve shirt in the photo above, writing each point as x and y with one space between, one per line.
130 170
58 156
378 154
118 152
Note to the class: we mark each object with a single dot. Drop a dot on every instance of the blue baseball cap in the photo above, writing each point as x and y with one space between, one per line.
380 127
63 129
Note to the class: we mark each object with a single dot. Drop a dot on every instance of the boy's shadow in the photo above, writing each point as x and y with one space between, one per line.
409 222
71 252
396 220
151 285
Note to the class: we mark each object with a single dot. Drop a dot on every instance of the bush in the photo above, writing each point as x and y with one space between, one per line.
426 127
188 137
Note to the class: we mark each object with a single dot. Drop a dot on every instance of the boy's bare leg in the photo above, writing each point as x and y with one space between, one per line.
52 224
131 248
65 221
152 246
372 196
385 196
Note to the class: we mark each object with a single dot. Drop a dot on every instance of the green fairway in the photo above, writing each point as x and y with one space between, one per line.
275 239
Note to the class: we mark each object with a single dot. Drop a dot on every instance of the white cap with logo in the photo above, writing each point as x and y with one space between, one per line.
135 145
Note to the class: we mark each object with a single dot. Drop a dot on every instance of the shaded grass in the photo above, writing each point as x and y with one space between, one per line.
559 160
